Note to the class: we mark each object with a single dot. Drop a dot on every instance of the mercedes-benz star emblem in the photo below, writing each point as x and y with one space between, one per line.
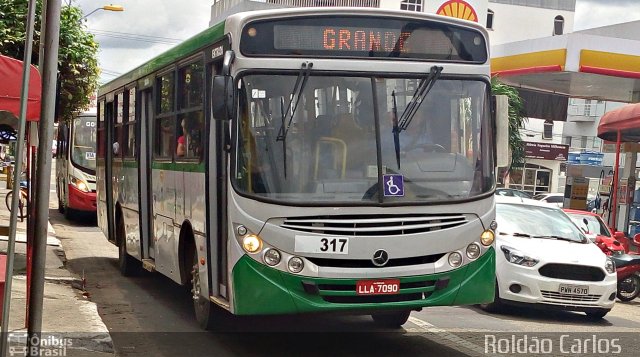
380 258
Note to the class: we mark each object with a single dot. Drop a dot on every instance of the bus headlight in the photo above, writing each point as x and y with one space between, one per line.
487 237
251 243
455 259
295 264
473 250
272 256
79 184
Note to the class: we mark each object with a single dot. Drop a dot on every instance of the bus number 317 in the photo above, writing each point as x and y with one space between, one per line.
333 245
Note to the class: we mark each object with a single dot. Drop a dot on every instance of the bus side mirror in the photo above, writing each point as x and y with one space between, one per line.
222 93
222 98
500 117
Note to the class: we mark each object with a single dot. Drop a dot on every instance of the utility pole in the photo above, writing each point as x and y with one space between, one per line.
43 184
6 304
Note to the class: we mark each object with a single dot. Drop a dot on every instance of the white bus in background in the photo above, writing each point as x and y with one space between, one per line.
76 164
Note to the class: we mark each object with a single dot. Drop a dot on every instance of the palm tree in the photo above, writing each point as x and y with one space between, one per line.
516 121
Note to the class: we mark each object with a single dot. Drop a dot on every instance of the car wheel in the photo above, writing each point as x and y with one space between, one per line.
393 319
597 314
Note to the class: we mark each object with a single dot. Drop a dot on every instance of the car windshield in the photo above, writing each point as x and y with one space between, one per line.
84 142
594 225
317 138
536 222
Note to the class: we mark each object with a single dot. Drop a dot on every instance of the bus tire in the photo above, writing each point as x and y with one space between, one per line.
497 305
127 264
69 214
60 204
392 319
206 312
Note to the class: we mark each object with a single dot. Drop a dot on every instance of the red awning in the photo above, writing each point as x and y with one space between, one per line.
11 88
625 119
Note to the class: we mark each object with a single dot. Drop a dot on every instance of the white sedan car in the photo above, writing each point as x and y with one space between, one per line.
544 260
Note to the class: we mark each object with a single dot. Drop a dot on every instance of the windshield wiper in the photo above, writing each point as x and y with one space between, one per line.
298 87
287 118
518 234
558 238
420 93
396 129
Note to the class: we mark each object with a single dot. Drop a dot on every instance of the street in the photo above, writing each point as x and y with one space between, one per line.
151 315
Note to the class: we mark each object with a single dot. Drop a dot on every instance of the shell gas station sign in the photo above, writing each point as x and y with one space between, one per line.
471 10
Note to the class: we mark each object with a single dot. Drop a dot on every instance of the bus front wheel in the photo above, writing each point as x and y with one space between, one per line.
392 319
205 311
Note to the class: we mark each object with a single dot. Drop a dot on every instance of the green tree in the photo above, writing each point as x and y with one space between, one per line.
516 121
77 58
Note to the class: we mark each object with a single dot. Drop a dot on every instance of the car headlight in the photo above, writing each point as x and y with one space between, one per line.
79 184
610 266
517 257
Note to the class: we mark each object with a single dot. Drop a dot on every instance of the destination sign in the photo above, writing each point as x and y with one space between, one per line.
352 36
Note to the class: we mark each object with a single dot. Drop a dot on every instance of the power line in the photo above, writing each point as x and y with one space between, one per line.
136 37
110 73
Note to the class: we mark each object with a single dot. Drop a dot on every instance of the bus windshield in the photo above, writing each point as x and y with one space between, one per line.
84 142
336 139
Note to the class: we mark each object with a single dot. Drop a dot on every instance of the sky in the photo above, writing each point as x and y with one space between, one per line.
142 31
147 28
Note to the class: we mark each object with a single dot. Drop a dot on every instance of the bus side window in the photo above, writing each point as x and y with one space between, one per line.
165 123
129 128
190 124
190 135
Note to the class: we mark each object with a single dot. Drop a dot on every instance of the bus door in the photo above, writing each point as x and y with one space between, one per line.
108 189
117 147
146 115
62 160
215 187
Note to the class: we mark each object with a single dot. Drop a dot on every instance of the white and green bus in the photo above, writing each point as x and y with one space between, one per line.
307 160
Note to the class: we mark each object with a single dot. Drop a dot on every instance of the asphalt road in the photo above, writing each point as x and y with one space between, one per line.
149 315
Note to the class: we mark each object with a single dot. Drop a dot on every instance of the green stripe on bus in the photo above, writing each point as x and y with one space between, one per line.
255 283
186 48
179 166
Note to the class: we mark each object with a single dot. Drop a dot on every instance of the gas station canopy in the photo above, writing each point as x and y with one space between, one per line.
602 63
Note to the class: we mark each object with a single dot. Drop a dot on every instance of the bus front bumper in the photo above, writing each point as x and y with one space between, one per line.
261 290
81 201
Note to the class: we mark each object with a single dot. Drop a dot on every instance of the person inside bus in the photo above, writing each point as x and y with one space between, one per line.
188 143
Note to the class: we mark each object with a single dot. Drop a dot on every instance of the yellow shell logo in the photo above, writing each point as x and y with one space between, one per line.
458 8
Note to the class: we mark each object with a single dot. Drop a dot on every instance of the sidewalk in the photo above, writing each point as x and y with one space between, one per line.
70 323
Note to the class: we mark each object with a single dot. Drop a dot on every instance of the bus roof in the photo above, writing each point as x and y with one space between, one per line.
217 31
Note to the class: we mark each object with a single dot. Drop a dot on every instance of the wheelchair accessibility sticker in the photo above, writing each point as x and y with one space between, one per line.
393 185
